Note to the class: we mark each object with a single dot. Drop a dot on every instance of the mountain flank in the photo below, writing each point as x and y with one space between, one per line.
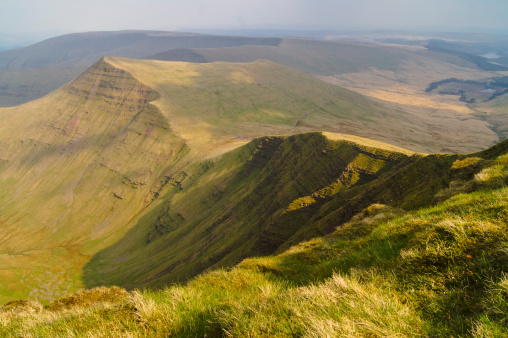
436 271
221 94
152 156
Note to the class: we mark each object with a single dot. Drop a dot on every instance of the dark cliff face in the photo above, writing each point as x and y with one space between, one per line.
252 201
266 196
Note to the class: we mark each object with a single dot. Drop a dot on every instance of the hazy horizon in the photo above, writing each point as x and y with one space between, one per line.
31 16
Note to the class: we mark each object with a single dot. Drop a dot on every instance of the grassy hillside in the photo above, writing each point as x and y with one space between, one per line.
126 158
397 75
269 195
495 112
248 202
242 99
436 271
75 167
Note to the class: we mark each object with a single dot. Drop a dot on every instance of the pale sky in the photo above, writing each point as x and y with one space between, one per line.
92 15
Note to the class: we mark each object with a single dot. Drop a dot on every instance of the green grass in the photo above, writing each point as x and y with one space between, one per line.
437 271
146 183
236 206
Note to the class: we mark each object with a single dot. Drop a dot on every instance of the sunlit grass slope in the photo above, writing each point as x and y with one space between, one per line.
398 75
249 201
208 104
268 195
439 271
75 167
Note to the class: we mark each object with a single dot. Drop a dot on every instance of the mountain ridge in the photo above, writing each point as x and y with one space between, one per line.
438 270
131 152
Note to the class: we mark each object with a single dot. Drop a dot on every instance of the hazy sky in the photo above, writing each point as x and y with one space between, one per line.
87 15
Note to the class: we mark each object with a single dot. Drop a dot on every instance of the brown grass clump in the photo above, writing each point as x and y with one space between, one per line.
20 306
86 298
467 162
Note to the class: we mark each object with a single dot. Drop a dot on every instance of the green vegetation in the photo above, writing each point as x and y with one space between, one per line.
436 271
494 112
134 165
246 197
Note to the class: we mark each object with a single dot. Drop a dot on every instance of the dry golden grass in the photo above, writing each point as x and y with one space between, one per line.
404 88
367 142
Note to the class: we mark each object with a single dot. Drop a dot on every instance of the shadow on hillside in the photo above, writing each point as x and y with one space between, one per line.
136 261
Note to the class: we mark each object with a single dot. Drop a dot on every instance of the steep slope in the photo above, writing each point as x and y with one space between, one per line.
218 212
267 196
75 167
439 271
126 157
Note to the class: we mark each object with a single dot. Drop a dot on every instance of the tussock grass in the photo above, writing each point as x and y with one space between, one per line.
495 175
239 303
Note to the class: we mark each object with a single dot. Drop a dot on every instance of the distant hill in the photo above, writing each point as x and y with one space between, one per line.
480 61
86 48
34 71
54 62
